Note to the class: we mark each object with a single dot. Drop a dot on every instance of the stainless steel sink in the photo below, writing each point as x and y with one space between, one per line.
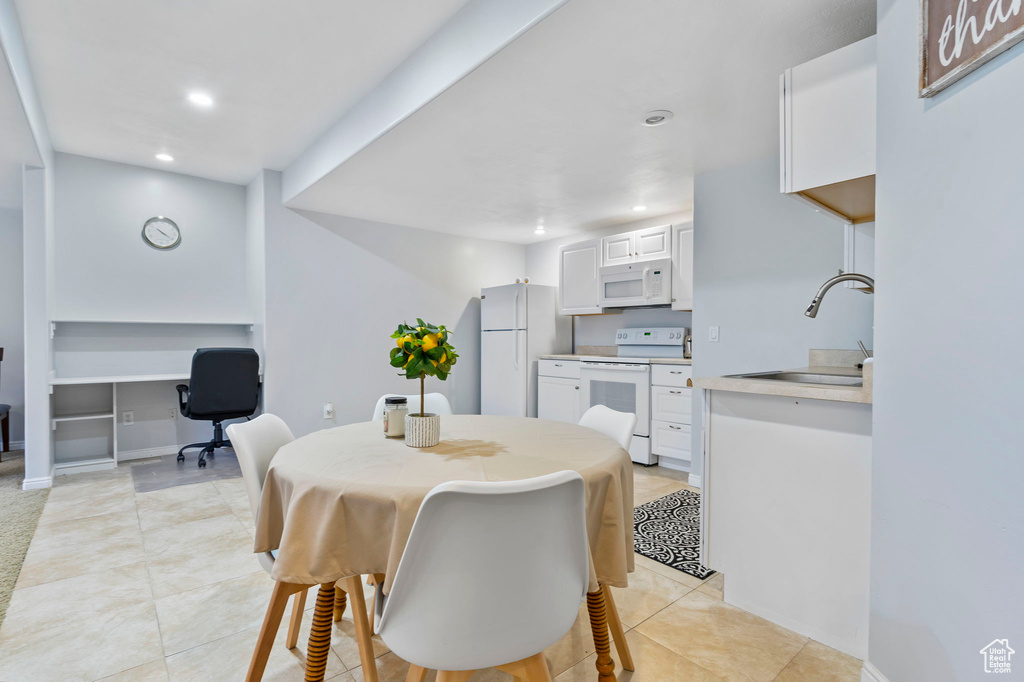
805 378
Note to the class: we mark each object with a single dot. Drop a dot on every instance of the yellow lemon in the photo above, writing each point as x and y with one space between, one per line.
441 336
430 341
403 339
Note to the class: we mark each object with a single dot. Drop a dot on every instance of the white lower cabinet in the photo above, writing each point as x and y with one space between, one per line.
558 399
671 417
670 440
670 404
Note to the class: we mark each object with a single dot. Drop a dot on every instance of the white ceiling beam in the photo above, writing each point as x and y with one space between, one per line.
12 44
477 32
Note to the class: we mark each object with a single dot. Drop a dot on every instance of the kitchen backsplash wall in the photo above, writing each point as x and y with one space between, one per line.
599 330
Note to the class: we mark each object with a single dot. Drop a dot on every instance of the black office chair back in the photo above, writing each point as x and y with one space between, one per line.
225 383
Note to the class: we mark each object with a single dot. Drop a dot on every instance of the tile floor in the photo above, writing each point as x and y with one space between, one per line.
163 585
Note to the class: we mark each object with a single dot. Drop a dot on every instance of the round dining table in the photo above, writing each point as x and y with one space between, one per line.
341 502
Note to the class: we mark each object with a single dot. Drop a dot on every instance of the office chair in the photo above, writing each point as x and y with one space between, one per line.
5 419
224 384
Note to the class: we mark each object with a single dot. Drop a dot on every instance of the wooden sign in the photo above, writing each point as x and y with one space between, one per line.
958 36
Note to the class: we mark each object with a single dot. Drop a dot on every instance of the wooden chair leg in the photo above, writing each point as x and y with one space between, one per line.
319 647
5 432
271 622
416 674
298 605
599 626
618 634
364 633
340 600
532 669
454 675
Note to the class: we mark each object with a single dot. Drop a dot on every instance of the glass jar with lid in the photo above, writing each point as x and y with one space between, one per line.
395 410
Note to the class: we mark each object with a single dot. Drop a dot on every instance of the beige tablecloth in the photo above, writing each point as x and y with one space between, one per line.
342 501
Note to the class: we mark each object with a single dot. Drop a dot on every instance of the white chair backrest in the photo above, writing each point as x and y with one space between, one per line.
436 403
493 572
616 425
255 443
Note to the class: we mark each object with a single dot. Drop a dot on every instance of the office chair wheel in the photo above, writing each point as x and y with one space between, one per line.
202 463
181 457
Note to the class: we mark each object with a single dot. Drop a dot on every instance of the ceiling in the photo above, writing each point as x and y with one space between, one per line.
551 127
113 75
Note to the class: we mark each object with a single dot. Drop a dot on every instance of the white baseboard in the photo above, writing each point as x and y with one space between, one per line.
694 480
673 463
37 483
17 445
146 453
870 673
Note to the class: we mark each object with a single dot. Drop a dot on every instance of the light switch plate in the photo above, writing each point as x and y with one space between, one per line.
713 334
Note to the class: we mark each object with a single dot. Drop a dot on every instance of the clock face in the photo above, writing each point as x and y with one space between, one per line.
161 233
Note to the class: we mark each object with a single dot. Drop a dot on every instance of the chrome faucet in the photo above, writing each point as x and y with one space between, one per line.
812 310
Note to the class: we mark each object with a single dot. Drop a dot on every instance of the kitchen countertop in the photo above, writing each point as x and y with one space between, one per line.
579 356
789 389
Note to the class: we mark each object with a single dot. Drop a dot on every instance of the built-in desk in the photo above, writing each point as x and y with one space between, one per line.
101 368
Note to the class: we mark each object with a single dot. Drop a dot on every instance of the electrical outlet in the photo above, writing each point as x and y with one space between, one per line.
713 334
173 413
127 418
328 410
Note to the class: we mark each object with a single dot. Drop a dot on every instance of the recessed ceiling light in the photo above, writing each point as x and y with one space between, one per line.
640 208
164 157
540 230
200 99
657 117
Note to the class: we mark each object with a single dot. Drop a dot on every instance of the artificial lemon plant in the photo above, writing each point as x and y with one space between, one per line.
423 351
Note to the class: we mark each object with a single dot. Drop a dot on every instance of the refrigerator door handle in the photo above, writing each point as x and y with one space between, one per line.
515 348
515 312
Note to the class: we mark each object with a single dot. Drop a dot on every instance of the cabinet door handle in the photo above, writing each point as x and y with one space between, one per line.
673 427
577 388
557 365
673 371
675 392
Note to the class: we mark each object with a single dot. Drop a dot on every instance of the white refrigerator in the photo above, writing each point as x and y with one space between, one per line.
518 322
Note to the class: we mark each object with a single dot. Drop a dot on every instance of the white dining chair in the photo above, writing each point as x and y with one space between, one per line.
435 402
619 427
255 443
616 425
488 578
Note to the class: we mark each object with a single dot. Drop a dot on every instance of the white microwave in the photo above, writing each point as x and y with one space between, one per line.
634 284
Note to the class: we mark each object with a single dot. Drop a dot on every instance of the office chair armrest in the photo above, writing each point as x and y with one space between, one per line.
182 391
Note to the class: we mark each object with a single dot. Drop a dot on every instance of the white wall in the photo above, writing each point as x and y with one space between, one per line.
104 270
759 257
947 550
12 321
599 330
337 288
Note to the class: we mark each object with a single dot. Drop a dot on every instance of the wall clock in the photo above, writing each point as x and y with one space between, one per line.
161 233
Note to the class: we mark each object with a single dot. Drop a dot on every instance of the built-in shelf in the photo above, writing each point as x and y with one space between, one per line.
122 379
82 416
222 323
76 466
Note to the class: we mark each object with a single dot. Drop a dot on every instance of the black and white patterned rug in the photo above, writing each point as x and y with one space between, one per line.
668 531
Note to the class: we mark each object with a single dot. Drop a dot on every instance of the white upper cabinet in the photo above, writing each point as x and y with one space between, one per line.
682 267
618 249
653 243
577 277
640 245
827 118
